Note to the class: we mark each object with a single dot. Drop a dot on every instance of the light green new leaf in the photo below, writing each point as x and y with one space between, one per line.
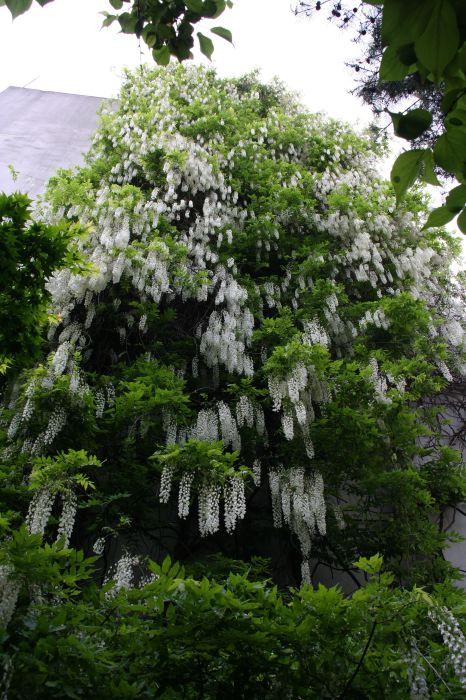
437 46
371 565
438 217
224 33
206 45
406 169
17 7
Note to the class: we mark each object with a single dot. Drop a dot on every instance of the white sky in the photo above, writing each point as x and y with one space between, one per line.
61 47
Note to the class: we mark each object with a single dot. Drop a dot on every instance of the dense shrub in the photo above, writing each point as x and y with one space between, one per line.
257 329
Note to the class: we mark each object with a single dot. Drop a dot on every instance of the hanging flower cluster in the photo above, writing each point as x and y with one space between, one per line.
298 499
453 639
202 467
249 280
9 592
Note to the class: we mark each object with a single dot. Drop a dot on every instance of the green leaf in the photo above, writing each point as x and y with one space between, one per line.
17 7
221 4
224 33
162 56
428 175
411 125
438 44
43 2
461 221
456 118
404 22
406 169
127 23
450 98
371 565
438 217
391 66
166 565
450 150
406 54
194 6
456 199
109 19
206 45
116 4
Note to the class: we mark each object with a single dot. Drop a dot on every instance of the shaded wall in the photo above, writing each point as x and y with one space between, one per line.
40 132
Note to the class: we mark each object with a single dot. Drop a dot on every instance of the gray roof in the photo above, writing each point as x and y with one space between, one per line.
40 132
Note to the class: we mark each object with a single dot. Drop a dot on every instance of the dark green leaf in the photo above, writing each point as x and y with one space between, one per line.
450 98
206 45
43 2
224 33
438 217
391 67
221 4
450 150
116 4
194 6
411 125
406 54
406 169
209 8
456 118
456 199
17 7
162 56
461 221
438 44
404 22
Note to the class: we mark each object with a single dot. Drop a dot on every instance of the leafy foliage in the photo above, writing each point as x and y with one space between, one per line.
257 325
417 51
182 637
166 27
29 253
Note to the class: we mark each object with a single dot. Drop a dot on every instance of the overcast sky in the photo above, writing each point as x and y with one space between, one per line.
61 47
